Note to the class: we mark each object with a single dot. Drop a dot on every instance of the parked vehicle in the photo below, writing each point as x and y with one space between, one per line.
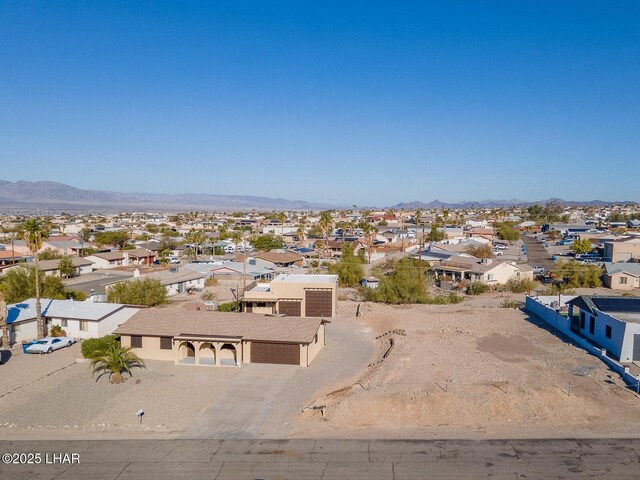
500 246
49 344
229 249
537 270
174 260
497 252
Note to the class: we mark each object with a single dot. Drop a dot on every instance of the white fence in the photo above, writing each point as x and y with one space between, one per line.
563 324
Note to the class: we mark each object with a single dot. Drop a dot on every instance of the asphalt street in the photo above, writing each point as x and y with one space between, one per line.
328 459
537 254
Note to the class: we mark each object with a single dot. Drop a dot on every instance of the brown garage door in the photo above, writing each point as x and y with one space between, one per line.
293 308
318 303
280 353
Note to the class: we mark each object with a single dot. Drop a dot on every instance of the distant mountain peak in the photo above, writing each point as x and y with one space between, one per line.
48 194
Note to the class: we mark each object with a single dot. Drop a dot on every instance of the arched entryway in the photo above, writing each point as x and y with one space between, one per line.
228 355
207 354
187 353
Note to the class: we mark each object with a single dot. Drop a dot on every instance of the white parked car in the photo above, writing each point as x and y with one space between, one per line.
174 260
229 249
497 252
501 246
49 344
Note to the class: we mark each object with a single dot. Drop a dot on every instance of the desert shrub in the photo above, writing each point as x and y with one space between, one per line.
403 285
229 306
476 288
314 263
509 303
520 285
349 269
95 347
57 331
211 282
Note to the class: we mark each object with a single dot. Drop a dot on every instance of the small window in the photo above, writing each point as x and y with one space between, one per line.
84 325
489 276
63 322
592 325
607 331
165 343
582 320
261 304
13 328
622 280
136 341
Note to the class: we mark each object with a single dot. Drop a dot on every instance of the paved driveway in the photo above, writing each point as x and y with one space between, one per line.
240 411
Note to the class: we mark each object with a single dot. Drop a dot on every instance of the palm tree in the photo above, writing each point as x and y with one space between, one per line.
115 360
326 222
33 232
236 238
302 224
195 238
282 218
369 235
4 315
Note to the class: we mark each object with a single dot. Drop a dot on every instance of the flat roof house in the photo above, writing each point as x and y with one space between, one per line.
621 251
296 295
612 323
201 337
77 319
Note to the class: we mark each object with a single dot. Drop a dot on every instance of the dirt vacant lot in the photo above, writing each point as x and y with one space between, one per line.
474 370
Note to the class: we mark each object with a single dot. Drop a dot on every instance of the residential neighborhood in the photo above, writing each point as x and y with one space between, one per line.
252 240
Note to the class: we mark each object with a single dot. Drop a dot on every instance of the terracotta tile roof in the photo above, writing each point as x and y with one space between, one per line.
174 321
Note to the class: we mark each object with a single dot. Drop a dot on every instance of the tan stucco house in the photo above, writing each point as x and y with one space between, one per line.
296 295
622 275
201 337
485 270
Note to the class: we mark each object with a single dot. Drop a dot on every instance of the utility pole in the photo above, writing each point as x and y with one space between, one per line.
401 231
244 264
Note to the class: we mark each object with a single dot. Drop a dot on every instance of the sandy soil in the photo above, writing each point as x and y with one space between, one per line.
474 370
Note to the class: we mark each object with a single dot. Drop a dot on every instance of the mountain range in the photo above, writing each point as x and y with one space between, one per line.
54 195
501 203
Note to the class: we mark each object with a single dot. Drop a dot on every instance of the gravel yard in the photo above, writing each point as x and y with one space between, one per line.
474 370
55 394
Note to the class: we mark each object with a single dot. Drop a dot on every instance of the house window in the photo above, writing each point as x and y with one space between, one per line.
592 325
13 328
136 341
582 320
489 277
63 322
84 325
607 331
261 304
622 280
165 343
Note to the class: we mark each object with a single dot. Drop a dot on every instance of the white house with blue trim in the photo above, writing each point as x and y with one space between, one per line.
77 319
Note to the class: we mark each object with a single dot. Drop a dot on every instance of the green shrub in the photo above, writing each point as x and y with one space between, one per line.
229 306
147 291
95 347
476 288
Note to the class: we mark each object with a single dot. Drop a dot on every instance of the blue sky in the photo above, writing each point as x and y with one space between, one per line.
367 102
